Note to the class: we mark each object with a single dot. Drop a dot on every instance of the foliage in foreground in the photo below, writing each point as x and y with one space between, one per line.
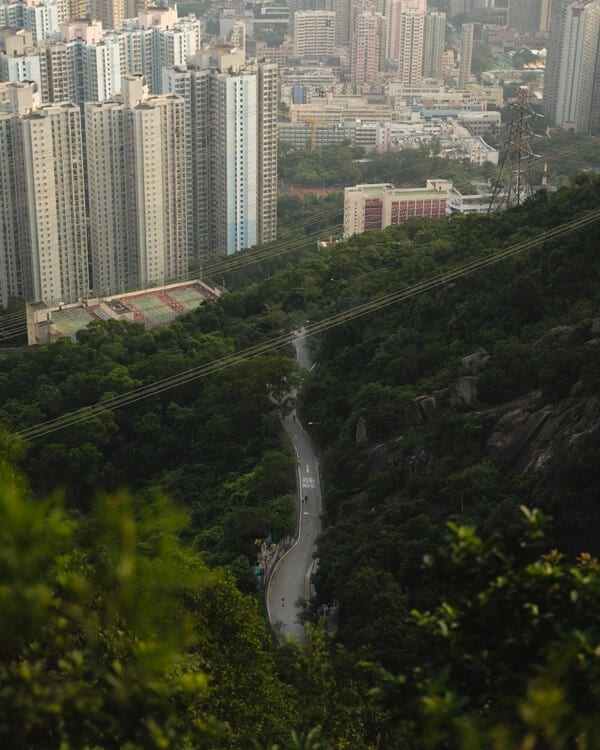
511 656
112 634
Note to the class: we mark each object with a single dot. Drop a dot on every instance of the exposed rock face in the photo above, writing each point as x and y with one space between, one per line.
524 435
595 327
472 363
426 406
464 391
528 437
361 430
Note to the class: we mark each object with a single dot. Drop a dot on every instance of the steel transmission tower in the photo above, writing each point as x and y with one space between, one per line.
514 181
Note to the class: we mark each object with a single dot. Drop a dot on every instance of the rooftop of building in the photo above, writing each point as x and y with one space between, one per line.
152 307
411 193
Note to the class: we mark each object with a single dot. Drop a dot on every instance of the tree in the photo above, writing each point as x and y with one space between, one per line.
513 646
112 634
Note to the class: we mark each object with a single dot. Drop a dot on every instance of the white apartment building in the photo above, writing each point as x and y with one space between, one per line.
173 46
231 108
396 30
314 34
367 48
28 65
556 21
234 160
49 189
42 20
137 187
101 68
410 53
579 54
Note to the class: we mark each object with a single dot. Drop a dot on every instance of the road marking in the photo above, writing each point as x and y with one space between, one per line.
308 482
307 469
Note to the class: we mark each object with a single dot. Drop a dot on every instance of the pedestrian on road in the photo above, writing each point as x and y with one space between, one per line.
283 601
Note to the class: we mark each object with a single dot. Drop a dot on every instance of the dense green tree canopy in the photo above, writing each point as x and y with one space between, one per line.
456 407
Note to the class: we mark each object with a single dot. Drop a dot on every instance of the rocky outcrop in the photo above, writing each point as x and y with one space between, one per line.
524 435
464 391
527 436
595 327
425 406
473 363
361 430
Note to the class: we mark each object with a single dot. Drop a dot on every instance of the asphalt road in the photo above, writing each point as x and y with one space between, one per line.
290 580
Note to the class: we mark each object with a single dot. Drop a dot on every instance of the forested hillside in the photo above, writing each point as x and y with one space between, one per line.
438 417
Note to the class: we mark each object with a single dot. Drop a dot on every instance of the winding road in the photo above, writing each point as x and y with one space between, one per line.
290 581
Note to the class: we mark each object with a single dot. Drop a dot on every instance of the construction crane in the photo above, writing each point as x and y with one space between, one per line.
313 121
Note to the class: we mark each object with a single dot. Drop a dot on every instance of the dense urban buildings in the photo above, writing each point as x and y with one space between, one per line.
179 116
141 171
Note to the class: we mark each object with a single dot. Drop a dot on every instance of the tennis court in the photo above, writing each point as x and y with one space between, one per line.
68 322
188 297
152 308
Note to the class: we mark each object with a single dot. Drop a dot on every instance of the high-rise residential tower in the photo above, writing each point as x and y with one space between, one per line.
528 15
232 110
556 20
394 25
137 187
43 244
580 48
234 160
268 99
466 53
410 51
571 79
314 34
15 99
366 49
433 44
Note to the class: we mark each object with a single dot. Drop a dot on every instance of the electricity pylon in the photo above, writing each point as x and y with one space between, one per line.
514 182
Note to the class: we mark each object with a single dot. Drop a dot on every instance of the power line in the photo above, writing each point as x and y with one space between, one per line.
220 265
153 389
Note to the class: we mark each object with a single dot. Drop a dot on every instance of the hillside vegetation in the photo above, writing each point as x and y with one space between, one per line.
439 417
